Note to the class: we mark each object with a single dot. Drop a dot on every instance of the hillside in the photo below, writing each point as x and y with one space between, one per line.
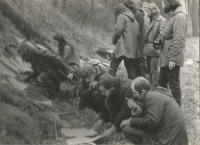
39 20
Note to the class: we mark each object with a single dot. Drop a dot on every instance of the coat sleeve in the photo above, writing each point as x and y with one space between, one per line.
179 32
153 114
125 111
55 61
104 114
119 26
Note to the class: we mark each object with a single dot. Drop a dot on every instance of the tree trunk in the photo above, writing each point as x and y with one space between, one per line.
195 17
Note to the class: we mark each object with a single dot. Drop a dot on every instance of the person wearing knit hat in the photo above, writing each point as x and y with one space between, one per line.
125 39
172 52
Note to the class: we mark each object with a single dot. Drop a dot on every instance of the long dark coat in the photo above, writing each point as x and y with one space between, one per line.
116 109
163 120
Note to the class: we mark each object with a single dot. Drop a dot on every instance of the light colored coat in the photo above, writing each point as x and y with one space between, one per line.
126 36
174 38
152 32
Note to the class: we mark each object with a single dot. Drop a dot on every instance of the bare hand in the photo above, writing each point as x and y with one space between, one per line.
125 122
92 85
98 124
131 103
109 132
70 76
172 65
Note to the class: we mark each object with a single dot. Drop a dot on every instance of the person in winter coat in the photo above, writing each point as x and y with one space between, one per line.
125 39
172 53
136 9
154 29
162 122
91 73
47 66
68 53
117 91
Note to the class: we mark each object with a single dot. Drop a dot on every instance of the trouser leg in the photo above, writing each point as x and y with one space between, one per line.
163 77
114 65
152 63
174 83
145 71
128 62
133 134
52 84
138 67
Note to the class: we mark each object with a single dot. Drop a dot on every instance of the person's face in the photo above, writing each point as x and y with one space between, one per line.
164 5
139 96
149 13
90 78
105 92
145 8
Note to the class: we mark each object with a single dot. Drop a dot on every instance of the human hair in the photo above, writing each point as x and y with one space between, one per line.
171 5
27 52
139 84
107 82
119 9
131 5
152 6
86 70
139 4
145 3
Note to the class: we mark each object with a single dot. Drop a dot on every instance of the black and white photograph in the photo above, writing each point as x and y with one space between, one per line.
99 72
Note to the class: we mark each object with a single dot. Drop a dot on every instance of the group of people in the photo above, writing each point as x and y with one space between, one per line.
146 107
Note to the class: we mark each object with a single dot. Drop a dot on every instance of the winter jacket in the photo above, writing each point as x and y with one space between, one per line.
174 38
84 93
48 63
163 120
116 108
152 33
139 16
125 37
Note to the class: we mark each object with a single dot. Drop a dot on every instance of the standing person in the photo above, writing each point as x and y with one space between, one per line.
91 73
125 39
172 53
115 109
162 122
68 53
154 29
138 12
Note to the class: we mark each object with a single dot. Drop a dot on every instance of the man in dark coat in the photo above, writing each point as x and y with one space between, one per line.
91 73
116 108
172 53
162 122
47 66
125 39
154 30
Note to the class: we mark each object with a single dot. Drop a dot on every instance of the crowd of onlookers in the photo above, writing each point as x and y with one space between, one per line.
147 105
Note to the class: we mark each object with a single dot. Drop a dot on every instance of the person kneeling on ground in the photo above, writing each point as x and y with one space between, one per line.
47 66
117 92
91 73
68 53
162 122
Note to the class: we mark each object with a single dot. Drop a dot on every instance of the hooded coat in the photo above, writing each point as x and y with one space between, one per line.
163 120
126 34
174 36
